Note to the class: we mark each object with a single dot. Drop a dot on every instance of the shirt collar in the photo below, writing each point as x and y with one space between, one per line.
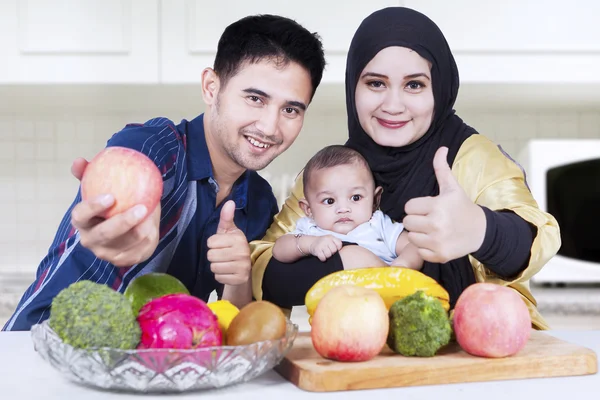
198 159
199 165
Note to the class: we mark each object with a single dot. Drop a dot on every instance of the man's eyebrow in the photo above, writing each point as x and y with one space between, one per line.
298 104
257 92
292 103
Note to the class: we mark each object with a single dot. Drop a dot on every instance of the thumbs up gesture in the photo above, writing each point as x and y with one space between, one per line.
229 252
447 226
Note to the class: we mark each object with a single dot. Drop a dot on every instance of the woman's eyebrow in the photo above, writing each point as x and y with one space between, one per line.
417 75
382 76
374 75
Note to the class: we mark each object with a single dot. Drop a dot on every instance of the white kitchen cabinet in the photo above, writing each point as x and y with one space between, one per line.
520 41
508 41
172 41
190 30
83 41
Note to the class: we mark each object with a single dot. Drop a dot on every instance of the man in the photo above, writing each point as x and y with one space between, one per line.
266 71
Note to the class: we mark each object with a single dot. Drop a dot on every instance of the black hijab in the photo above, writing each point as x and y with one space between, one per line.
407 172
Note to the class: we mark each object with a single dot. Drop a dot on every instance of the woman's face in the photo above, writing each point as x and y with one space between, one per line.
394 97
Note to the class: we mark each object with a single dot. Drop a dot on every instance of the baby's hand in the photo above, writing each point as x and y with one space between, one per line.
407 262
409 257
324 247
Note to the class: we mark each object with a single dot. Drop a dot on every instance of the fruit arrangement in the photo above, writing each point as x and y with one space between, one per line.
157 312
355 314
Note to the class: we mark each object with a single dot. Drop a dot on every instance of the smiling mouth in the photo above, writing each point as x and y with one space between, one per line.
392 124
257 143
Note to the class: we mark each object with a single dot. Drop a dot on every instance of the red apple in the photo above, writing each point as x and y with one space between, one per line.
350 323
130 176
491 321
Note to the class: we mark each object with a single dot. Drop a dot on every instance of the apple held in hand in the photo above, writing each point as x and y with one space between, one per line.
350 323
491 321
128 175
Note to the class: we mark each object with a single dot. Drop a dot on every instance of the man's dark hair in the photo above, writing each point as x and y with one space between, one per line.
257 37
329 157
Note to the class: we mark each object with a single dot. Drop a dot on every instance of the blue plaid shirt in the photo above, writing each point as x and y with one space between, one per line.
188 218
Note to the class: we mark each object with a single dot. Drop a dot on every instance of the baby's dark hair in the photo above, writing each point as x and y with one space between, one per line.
332 156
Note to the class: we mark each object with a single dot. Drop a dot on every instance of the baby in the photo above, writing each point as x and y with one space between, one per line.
341 203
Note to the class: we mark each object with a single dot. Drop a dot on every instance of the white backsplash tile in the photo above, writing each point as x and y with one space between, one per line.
65 132
25 151
589 124
24 129
36 151
8 150
8 257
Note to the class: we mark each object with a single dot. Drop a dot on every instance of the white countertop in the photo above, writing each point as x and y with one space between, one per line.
24 375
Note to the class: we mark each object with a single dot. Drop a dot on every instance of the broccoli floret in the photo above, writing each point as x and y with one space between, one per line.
419 326
92 315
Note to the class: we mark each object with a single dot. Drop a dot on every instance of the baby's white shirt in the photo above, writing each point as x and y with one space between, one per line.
379 234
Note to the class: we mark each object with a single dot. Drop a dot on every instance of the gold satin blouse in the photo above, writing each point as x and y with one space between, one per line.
490 179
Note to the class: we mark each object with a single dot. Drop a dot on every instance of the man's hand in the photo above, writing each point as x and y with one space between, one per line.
124 239
229 251
447 226
324 247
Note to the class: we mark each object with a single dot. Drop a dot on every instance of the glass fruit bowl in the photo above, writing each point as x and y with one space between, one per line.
161 370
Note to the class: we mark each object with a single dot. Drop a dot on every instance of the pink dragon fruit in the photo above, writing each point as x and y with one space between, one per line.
178 321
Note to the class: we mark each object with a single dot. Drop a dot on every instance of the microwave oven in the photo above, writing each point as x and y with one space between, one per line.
564 178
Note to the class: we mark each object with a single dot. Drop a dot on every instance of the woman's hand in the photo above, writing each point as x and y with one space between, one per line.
447 226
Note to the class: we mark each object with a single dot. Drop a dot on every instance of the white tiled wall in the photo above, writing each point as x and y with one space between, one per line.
43 128
36 152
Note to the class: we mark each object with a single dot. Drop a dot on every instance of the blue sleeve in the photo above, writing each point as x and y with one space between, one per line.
67 261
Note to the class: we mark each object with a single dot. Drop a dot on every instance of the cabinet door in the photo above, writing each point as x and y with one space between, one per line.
520 41
83 41
191 30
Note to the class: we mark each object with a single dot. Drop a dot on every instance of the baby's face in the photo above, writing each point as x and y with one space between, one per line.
341 198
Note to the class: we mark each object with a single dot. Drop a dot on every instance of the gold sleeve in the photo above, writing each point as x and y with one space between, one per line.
284 222
491 179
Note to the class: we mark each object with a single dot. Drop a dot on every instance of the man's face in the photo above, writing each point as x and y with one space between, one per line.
260 112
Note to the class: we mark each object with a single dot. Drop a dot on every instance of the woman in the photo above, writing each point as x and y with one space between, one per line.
464 201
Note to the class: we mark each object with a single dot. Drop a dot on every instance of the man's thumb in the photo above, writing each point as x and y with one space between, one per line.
443 173
226 223
78 167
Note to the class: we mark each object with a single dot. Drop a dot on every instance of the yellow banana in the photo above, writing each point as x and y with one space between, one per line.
391 283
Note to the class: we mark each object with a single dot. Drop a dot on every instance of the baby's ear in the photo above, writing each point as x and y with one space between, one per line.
377 197
304 206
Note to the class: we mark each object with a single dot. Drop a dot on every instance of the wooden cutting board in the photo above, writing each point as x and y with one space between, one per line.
543 356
